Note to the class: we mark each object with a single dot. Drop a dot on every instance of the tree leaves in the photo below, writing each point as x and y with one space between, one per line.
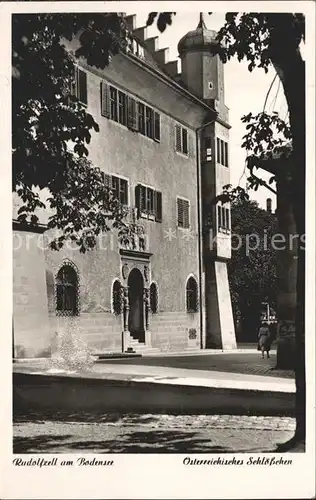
250 36
163 19
266 135
252 268
46 117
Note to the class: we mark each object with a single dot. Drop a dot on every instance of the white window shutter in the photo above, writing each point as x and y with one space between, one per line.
178 138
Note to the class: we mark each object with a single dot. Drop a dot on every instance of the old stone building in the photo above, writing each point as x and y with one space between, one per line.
163 146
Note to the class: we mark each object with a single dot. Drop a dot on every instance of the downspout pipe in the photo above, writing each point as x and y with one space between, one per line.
200 231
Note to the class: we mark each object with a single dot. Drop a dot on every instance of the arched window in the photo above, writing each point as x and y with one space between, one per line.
67 291
116 297
192 295
153 298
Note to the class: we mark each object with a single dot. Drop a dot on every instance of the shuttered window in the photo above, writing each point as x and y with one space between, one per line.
184 141
158 207
141 118
105 100
126 110
178 139
149 122
181 138
118 186
132 117
107 179
120 189
113 104
122 108
148 202
183 213
81 85
157 127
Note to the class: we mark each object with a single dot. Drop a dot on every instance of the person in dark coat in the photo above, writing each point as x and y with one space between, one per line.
264 339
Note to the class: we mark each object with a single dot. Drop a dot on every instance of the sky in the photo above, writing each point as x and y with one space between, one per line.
244 91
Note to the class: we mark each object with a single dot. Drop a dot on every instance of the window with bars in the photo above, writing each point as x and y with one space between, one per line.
81 90
223 218
148 202
183 213
153 297
67 291
126 110
181 136
118 186
192 295
222 152
116 297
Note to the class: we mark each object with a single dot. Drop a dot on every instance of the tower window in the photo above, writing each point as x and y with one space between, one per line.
67 291
192 295
223 218
222 152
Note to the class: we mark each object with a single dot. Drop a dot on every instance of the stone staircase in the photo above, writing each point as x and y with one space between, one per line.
140 347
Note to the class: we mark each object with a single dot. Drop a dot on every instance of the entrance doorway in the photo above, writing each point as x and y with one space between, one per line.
136 305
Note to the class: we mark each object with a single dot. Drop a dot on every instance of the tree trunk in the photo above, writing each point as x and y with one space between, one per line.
286 257
290 67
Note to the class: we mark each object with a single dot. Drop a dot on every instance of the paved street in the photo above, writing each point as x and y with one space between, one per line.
246 363
80 432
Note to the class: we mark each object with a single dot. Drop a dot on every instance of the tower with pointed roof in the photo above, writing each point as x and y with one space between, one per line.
202 71
203 75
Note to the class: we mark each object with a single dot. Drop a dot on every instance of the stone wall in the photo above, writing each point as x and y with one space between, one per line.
32 336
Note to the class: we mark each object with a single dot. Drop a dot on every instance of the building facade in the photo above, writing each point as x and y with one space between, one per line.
163 146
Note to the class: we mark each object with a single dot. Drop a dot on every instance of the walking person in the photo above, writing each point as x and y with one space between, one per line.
264 339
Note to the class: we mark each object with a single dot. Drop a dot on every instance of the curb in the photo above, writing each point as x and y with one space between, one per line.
67 392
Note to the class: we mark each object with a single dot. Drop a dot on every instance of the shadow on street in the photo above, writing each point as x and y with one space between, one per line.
154 441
